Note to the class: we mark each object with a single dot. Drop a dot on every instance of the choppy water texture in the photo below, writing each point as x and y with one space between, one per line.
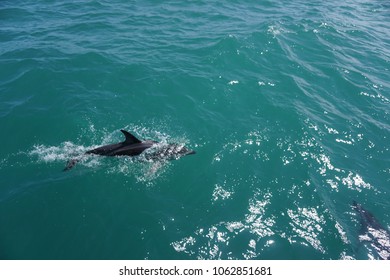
285 102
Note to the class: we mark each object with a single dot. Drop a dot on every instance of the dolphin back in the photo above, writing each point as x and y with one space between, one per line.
373 234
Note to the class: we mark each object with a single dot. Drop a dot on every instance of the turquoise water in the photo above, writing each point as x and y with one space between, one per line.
285 102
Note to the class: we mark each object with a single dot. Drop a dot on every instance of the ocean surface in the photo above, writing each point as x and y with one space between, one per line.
286 103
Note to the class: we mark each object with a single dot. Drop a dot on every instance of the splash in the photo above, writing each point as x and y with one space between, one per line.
62 152
143 168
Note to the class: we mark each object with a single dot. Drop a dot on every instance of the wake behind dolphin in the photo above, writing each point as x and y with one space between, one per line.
132 146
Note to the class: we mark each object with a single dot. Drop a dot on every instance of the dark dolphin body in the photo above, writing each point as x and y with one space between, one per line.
373 233
132 146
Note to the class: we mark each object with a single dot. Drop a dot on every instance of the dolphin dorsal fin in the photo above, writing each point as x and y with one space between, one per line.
130 139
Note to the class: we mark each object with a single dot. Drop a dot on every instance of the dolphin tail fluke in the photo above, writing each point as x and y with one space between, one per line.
70 164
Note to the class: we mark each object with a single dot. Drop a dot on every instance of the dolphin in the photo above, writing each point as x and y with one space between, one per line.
132 146
373 232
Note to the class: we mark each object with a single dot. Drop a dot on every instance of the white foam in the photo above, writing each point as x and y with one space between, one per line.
221 193
63 152
234 82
